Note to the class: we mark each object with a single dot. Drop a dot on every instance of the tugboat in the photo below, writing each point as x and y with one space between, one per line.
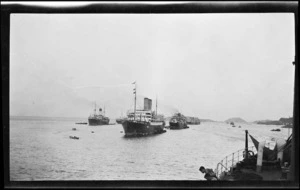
178 121
98 119
143 122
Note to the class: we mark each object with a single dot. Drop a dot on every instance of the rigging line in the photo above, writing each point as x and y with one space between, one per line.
92 86
101 86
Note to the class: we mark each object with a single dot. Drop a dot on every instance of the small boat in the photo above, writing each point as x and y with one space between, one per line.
275 130
74 137
74 129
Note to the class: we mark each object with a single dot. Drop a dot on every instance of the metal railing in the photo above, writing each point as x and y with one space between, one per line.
140 117
231 160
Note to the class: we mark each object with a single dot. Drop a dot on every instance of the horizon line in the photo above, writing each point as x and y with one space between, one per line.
166 117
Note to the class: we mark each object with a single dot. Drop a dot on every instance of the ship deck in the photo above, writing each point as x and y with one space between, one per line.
268 175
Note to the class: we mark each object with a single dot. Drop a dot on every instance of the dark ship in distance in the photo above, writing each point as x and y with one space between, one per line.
120 120
143 122
193 120
178 121
98 118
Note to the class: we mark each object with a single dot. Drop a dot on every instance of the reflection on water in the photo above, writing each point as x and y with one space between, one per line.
40 149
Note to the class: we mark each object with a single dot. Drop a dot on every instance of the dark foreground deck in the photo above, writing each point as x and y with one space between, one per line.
267 175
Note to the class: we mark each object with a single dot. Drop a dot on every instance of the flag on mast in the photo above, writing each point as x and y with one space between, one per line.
134 90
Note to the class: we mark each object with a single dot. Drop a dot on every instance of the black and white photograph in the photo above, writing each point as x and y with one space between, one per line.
129 96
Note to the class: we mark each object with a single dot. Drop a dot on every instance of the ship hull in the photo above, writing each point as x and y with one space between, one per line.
93 121
193 123
178 125
141 128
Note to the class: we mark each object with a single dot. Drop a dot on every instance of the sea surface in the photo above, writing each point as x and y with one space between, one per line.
40 149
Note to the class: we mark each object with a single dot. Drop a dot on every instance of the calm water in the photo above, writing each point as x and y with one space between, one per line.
40 149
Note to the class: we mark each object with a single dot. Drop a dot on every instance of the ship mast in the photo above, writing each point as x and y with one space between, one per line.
134 91
156 106
95 109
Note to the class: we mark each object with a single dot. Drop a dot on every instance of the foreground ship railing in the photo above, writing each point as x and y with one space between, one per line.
231 160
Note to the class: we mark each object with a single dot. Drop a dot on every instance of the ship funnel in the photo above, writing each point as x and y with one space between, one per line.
150 104
147 104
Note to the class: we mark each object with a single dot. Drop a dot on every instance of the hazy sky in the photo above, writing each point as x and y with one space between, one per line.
212 66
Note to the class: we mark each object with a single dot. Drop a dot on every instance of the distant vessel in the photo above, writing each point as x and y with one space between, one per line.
178 121
73 137
120 120
98 119
143 122
192 120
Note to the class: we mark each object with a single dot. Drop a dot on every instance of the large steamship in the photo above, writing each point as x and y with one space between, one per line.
98 118
143 122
